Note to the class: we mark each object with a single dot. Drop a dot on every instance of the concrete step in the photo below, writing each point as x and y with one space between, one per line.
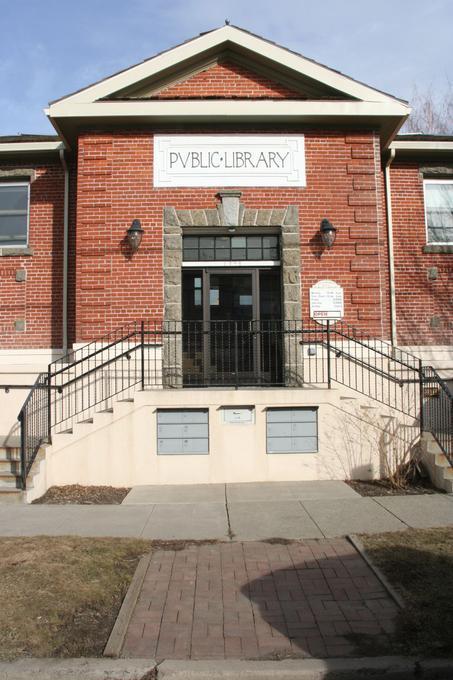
8 480
9 454
9 441
10 495
10 466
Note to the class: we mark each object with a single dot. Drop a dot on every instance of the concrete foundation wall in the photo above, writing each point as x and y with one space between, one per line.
358 438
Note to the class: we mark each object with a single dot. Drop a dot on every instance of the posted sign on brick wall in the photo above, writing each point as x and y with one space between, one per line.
326 301
229 160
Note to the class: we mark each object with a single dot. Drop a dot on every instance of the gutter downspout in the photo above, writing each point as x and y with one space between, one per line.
388 203
65 250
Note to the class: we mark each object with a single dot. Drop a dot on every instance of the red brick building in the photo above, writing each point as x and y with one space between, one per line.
231 157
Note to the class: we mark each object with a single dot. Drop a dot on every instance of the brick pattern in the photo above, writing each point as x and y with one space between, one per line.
37 299
344 185
424 307
257 600
227 80
115 185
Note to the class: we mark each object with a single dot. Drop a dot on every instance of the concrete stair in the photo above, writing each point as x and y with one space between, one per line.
10 483
438 465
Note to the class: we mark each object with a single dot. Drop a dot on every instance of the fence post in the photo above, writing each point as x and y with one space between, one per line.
23 475
329 379
420 385
142 353
49 404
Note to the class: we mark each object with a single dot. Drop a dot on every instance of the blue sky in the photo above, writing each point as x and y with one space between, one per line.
49 48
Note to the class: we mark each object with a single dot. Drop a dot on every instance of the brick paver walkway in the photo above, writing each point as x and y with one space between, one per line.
257 600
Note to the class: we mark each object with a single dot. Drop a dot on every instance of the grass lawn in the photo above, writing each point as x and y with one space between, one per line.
60 596
419 563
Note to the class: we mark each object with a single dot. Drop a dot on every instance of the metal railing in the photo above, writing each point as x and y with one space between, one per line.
200 354
437 414
34 424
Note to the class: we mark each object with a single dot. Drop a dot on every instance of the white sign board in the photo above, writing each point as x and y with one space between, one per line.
229 161
326 301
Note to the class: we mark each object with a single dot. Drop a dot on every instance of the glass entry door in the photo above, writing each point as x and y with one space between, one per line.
231 327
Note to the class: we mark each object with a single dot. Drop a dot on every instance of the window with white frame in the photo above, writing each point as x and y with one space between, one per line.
439 210
14 204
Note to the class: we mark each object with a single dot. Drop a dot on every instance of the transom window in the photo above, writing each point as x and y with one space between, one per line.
229 248
13 214
439 210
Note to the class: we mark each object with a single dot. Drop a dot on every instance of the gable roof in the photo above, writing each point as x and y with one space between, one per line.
116 97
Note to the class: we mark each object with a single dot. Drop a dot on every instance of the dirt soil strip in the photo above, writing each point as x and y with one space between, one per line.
75 494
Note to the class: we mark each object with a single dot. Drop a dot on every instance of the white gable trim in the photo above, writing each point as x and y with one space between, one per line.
267 109
421 146
224 36
27 147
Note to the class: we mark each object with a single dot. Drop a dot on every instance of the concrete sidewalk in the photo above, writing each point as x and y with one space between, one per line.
293 510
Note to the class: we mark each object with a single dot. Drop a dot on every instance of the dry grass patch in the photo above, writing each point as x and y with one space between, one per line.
419 563
60 596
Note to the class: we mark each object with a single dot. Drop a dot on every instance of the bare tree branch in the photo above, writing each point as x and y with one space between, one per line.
432 113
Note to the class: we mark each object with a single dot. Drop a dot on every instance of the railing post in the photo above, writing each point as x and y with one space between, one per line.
236 353
23 475
329 378
49 404
142 353
420 385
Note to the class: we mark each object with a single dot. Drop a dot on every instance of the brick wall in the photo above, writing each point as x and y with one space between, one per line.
38 299
115 172
228 80
424 307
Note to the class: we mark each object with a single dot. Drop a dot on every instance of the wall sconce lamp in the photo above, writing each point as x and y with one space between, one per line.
328 233
134 235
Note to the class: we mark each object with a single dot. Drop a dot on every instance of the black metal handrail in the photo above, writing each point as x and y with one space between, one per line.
437 414
34 425
273 353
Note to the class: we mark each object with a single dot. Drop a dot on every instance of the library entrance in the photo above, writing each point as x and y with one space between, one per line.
231 327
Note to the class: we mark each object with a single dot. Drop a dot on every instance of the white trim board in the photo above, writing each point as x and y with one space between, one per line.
27 147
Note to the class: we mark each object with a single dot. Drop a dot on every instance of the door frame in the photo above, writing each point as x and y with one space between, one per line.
207 271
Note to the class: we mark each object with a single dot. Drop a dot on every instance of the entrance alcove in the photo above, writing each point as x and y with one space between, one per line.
231 287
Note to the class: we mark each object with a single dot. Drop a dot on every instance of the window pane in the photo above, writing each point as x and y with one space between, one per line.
270 254
13 230
207 254
206 241
238 254
254 254
222 248
238 242
13 198
439 212
190 241
254 241
222 243
190 254
270 241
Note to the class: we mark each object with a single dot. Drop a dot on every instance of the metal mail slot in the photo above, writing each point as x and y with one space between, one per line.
243 414
182 431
